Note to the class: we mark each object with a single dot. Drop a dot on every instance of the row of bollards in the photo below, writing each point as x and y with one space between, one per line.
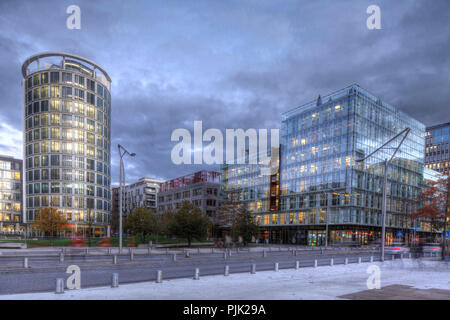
115 276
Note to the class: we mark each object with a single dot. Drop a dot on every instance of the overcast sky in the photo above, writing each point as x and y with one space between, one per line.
229 63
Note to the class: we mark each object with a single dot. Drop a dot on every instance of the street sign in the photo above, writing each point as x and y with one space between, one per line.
447 234
399 233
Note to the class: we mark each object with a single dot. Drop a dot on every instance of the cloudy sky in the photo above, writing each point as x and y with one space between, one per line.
229 63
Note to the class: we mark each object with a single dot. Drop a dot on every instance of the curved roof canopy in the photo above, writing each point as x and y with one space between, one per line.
60 54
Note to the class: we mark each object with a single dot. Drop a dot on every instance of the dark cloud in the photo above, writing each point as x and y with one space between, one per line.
231 64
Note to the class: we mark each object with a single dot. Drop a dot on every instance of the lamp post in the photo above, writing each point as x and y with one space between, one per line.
386 164
122 152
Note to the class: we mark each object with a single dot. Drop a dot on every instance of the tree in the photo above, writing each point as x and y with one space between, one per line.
244 226
189 222
49 221
142 221
165 222
434 204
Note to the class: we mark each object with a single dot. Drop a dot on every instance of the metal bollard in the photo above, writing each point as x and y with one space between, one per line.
109 251
264 253
276 267
61 257
410 255
346 261
149 251
198 250
186 254
59 286
295 252
87 251
315 263
114 259
331 262
158 276
393 257
131 255
359 260
401 256
25 263
174 257
371 258
212 250
226 271
115 280
321 251
197 274
229 253
167 250
297 265
253 269
225 255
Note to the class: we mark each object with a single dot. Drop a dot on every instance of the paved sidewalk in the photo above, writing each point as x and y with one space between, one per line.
328 282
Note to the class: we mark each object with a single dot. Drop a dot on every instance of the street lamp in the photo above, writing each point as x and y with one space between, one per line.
122 152
386 164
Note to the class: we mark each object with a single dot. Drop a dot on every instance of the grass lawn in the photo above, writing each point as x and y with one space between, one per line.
94 242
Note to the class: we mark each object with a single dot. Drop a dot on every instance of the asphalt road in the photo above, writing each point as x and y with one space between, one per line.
96 270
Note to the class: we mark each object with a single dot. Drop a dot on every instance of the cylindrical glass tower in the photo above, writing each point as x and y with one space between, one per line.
67 140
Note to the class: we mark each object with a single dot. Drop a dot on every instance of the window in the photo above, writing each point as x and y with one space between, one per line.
66 92
54 118
54 160
67 77
66 120
54 91
44 105
90 125
36 107
44 92
67 161
55 105
44 77
54 77
54 133
54 174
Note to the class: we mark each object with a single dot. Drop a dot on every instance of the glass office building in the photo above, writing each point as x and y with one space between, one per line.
322 184
437 148
319 182
67 150
10 196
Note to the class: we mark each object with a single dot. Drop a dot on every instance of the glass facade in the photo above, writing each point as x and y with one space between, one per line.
437 148
10 196
320 183
67 141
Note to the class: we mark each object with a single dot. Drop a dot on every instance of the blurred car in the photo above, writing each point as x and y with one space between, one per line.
78 242
431 248
396 248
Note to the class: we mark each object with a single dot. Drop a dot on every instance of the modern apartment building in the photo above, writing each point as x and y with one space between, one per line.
11 213
141 194
201 188
437 148
67 151
321 184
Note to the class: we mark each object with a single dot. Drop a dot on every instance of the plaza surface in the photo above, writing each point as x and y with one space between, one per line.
400 279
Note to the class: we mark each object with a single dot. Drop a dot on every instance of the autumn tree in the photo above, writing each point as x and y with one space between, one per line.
189 222
244 226
433 204
142 221
49 221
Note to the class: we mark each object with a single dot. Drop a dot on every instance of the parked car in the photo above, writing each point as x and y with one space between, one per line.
396 248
